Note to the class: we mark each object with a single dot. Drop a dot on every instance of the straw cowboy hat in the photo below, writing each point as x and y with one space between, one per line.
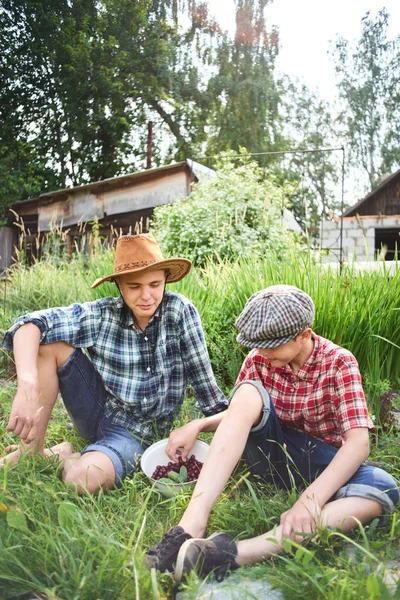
140 253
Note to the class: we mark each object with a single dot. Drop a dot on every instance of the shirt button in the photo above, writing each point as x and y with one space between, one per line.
148 369
144 399
146 338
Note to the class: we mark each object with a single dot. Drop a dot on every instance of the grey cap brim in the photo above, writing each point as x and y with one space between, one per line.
264 343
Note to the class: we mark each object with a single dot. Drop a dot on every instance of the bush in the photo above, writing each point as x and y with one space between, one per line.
230 215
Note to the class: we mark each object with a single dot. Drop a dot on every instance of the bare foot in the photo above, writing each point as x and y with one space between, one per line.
11 458
62 450
14 454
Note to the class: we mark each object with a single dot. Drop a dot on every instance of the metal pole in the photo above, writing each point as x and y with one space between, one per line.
149 145
271 153
341 213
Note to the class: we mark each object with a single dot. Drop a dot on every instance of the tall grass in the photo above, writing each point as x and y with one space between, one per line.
55 545
360 311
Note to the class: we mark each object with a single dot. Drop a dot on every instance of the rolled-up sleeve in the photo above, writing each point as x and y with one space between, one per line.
76 325
210 399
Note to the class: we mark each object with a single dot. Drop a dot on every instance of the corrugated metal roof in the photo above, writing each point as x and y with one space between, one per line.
199 171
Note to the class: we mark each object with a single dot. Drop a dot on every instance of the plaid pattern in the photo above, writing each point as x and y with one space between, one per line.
140 398
274 316
324 398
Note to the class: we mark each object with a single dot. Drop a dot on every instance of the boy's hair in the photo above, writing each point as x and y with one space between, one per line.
274 316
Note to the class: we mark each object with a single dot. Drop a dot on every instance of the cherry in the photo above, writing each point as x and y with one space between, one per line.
192 464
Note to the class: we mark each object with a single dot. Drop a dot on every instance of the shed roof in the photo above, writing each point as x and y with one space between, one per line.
350 212
200 172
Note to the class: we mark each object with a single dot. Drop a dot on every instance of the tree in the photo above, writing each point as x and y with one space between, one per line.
314 175
244 95
80 79
64 64
369 85
220 92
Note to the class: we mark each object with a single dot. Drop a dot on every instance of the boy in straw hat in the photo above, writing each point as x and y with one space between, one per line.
298 413
142 349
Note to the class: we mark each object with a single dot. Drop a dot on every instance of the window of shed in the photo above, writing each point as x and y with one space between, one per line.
387 240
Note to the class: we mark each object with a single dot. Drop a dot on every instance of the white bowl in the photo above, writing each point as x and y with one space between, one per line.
155 455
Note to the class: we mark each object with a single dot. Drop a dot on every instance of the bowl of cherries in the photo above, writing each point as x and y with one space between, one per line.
169 477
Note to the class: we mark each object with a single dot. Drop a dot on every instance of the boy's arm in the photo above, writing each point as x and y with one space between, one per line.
74 325
24 413
184 437
77 325
303 516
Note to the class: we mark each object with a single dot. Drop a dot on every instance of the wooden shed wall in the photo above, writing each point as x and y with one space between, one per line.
386 201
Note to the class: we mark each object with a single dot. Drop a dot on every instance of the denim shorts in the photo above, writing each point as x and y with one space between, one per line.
290 458
84 395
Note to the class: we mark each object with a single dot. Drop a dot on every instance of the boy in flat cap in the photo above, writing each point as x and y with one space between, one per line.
298 415
142 349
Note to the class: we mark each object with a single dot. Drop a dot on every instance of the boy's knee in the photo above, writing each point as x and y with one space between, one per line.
82 480
89 477
59 351
247 400
80 483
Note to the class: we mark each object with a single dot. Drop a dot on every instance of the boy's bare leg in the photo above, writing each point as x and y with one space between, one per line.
225 451
89 472
39 386
344 514
50 358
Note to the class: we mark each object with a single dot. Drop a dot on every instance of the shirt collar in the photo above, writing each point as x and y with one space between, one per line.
308 370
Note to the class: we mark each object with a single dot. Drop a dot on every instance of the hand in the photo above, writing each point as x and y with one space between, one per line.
302 519
181 440
25 410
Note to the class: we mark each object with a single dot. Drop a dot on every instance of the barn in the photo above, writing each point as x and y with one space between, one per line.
120 204
370 229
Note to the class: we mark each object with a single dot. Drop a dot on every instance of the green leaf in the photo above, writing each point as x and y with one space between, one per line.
17 520
373 586
183 474
68 515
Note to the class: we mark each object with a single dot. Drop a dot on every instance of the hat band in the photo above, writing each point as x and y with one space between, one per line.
133 265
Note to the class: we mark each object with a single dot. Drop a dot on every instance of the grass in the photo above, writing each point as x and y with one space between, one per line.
57 545
357 311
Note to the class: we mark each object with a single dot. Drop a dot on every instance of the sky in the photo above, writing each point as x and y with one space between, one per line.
305 29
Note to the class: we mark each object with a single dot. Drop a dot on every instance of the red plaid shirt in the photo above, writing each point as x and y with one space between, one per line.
324 398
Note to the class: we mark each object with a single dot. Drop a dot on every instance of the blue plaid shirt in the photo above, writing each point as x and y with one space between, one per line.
145 373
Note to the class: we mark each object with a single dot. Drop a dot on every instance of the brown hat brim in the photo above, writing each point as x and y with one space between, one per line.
177 269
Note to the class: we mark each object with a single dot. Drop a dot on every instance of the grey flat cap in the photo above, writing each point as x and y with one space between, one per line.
274 316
